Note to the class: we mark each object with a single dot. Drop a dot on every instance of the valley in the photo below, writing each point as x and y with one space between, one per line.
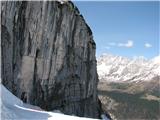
123 94
123 104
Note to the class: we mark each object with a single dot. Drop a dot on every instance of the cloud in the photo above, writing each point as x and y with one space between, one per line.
147 45
112 44
128 44
139 57
107 47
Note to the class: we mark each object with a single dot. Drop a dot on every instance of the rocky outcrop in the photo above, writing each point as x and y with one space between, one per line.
48 56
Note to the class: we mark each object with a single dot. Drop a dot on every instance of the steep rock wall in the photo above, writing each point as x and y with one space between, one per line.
48 56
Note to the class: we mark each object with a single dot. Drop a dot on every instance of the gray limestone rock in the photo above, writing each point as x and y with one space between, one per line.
48 56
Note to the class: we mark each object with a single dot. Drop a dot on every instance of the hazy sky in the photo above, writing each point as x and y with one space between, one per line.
123 28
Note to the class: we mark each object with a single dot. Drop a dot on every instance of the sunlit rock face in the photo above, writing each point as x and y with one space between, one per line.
48 56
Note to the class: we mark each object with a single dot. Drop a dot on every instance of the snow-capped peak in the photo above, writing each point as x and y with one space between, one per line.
117 68
156 60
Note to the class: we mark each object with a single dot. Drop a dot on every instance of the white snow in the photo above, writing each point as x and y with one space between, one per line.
156 60
13 108
120 69
62 1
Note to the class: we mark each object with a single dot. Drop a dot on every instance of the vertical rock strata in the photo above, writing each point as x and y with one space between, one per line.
48 56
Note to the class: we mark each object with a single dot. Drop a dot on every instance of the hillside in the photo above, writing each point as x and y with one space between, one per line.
13 108
129 86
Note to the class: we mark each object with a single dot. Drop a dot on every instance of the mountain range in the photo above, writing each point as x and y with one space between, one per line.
129 85
115 68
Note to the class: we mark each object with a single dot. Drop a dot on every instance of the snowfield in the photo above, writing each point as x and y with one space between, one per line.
12 108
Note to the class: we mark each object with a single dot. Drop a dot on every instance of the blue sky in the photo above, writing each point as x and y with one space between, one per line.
123 28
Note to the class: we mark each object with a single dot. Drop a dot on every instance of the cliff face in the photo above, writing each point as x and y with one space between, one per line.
48 56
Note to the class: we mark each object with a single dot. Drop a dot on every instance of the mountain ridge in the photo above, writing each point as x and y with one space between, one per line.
115 68
130 85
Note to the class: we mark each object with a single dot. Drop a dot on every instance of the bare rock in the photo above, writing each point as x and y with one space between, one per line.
48 56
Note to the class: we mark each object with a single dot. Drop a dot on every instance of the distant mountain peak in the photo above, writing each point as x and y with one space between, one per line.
156 60
119 69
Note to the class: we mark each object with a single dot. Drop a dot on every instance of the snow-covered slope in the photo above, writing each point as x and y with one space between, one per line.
120 69
12 108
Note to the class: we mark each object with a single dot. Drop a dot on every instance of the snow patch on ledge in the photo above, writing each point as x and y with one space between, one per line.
13 108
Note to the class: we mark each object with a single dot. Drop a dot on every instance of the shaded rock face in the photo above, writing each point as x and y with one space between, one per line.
48 57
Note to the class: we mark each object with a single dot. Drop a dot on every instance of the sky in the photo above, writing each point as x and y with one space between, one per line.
129 29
